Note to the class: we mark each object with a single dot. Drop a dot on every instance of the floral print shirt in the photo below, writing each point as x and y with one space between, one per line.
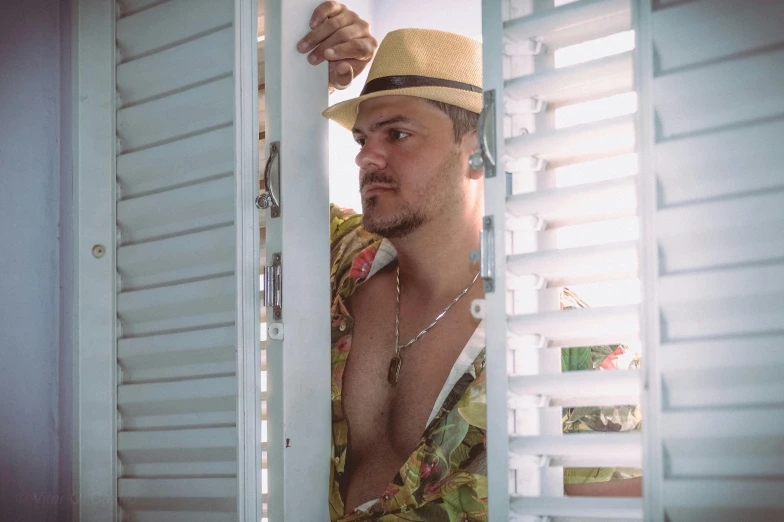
445 478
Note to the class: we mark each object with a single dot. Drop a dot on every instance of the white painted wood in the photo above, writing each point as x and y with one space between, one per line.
590 386
577 265
298 367
707 30
572 23
585 203
577 83
705 166
590 450
164 214
95 375
198 304
498 472
152 29
587 507
580 327
715 231
177 163
192 62
177 259
720 94
177 115
579 143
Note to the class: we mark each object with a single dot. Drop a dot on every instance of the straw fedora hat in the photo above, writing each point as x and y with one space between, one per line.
425 63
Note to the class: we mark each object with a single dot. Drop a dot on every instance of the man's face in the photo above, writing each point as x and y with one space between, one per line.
411 171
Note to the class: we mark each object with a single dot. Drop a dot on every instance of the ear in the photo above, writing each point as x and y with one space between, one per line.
469 145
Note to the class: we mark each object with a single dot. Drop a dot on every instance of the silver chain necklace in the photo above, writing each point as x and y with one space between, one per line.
397 361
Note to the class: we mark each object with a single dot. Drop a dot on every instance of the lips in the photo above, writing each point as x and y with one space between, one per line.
373 189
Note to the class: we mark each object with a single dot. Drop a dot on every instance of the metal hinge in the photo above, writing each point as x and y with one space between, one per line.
273 287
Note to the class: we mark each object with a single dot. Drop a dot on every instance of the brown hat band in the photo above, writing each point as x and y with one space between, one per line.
388 83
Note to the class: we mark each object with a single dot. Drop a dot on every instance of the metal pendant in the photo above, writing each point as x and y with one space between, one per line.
394 370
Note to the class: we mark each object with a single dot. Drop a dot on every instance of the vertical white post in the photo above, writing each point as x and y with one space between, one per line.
653 465
95 347
246 224
299 397
495 205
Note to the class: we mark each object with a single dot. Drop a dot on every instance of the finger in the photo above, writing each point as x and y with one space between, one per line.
341 74
324 11
325 30
355 48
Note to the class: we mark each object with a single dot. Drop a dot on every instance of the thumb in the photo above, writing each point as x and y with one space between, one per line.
343 75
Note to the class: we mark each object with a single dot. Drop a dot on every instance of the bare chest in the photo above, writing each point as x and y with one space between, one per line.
378 413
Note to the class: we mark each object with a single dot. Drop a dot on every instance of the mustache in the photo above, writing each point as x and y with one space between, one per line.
377 177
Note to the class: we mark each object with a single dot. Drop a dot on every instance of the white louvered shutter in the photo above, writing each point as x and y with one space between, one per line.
564 216
713 211
178 407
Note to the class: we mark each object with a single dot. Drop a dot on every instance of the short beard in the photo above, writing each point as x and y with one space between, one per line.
408 219
399 226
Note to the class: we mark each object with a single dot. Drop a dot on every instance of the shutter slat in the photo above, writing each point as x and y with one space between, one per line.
178 446
176 259
726 352
185 209
585 450
176 68
710 30
578 83
177 115
582 387
720 94
577 265
152 29
189 160
705 166
615 198
736 387
196 395
747 423
726 458
180 420
572 23
181 494
178 516
585 507
723 500
580 327
165 356
177 307
581 142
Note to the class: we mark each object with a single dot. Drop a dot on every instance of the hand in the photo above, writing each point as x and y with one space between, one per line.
343 39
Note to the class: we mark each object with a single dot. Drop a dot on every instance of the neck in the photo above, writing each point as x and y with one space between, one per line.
434 265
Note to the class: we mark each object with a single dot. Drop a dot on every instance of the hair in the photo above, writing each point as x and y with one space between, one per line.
463 120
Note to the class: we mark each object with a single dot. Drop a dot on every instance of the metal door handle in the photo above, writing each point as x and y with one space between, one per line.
271 197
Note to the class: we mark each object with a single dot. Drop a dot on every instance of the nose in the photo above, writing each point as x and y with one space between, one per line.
372 156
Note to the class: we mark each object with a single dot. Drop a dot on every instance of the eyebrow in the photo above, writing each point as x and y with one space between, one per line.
389 121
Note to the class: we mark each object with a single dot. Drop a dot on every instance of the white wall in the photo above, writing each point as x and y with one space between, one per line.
458 16
30 167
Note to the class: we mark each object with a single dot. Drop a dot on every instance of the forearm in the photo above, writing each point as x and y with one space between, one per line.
615 488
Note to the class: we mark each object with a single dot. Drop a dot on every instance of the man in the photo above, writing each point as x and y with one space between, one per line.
408 404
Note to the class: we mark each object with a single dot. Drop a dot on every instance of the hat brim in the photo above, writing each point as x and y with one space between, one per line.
345 113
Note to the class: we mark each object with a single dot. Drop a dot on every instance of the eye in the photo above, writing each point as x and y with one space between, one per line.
360 141
398 134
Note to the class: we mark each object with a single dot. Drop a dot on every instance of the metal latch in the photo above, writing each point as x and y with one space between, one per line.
273 287
487 253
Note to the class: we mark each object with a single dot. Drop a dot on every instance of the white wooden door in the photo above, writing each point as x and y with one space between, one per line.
168 401
561 206
713 209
